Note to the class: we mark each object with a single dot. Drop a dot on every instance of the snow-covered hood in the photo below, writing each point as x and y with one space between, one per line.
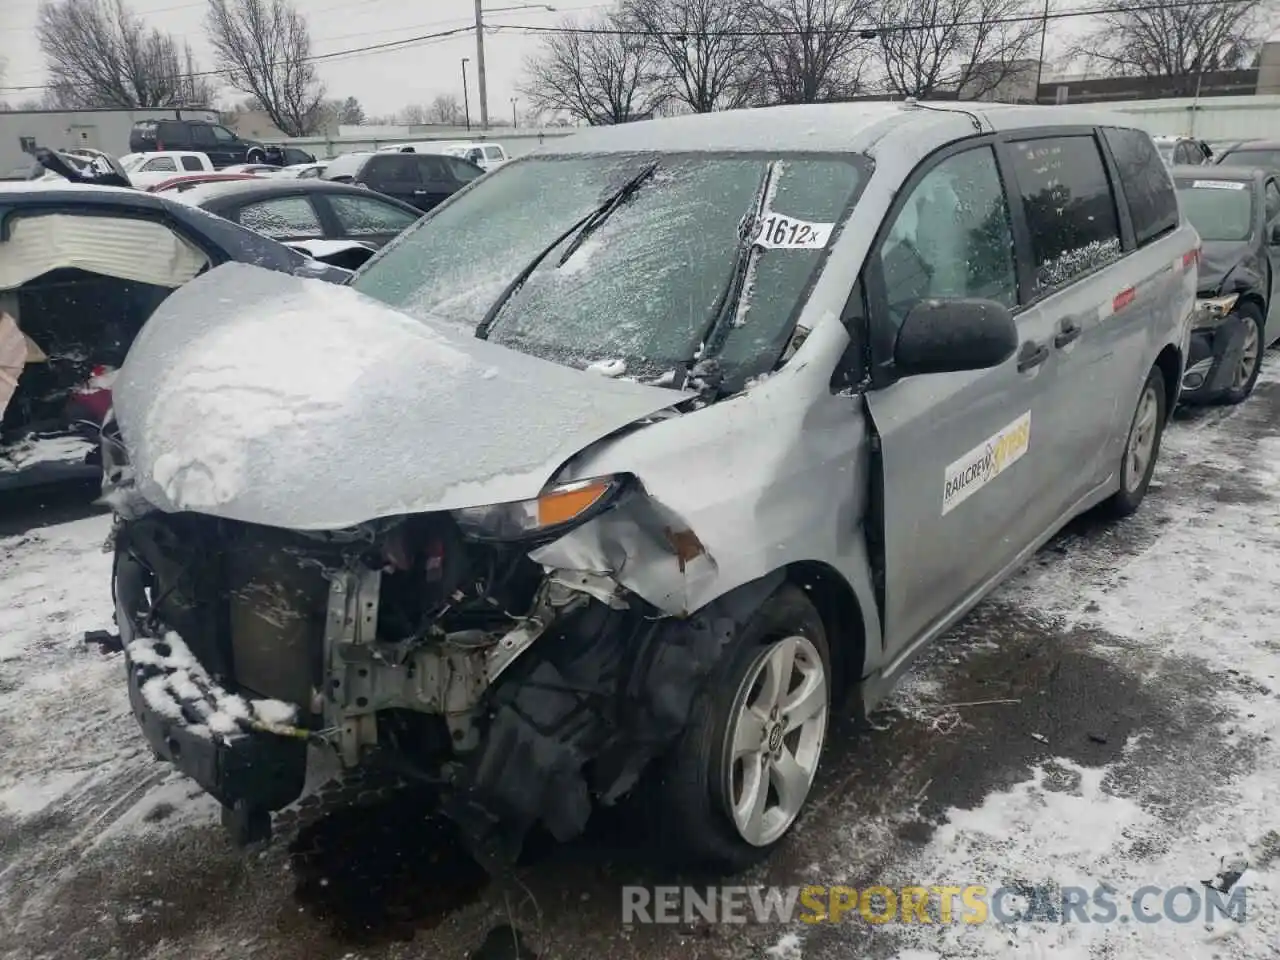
257 396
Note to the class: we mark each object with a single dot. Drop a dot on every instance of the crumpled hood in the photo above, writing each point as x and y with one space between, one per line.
1217 259
262 397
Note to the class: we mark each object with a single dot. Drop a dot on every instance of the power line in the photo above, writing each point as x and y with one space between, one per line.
870 31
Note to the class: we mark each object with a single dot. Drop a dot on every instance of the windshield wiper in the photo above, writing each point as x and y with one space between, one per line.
713 336
583 227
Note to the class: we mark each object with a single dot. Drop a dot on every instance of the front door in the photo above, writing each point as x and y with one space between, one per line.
960 453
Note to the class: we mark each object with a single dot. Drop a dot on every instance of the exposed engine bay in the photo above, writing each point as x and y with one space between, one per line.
523 693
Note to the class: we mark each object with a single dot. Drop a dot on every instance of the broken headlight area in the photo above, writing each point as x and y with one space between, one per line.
525 693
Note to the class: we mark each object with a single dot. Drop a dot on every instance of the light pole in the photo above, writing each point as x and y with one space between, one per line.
515 124
480 72
466 102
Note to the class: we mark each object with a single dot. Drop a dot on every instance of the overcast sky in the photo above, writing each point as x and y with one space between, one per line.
383 81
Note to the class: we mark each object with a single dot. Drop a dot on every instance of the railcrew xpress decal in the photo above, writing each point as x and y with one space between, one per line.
985 462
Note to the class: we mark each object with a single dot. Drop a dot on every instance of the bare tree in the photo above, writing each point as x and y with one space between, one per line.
1174 40
413 114
811 50
972 46
99 53
601 77
445 109
705 48
265 48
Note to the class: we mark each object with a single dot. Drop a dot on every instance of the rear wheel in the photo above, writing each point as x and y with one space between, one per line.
1245 374
744 768
255 156
1141 448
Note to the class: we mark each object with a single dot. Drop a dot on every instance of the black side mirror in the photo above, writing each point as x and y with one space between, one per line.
947 336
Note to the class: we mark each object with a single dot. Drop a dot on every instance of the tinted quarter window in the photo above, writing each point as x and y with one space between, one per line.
1147 188
282 217
160 164
1069 206
431 168
223 134
191 163
951 238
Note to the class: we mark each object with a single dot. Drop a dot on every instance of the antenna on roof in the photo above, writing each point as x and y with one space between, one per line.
915 104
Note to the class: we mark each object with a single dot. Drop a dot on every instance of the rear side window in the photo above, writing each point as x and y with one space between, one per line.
462 171
432 167
191 163
171 131
392 168
145 129
368 216
493 153
160 164
1153 206
1070 209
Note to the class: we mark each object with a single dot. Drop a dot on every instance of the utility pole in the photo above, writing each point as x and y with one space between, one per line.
466 98
484 88
515 124
1044 29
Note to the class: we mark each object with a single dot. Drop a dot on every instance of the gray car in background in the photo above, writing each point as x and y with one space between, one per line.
639 457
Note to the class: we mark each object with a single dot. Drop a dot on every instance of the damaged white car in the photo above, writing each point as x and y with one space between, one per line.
637 457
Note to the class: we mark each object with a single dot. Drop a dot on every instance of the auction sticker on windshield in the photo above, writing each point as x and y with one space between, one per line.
777 232
985 462
1219 185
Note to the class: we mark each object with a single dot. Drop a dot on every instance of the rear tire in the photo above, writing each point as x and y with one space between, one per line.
1141 447
1246 375
738 779
255 156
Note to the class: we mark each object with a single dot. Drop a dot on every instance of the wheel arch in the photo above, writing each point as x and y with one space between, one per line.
1169 362
842 618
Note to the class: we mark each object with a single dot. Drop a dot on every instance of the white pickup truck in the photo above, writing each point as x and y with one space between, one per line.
148 169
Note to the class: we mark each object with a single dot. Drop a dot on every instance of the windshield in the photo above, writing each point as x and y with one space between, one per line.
1266 159
1220 210
641 290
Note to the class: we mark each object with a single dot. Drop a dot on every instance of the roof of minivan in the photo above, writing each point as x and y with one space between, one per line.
821 128
1193 171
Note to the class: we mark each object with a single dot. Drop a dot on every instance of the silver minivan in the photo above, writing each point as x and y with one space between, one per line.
638 458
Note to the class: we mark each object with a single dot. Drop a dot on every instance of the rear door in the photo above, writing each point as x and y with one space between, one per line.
396 175
203 141
959 452
1096 300
438 183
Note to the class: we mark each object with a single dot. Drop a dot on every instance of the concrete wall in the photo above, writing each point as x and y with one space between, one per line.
1209 118
516 142
63 129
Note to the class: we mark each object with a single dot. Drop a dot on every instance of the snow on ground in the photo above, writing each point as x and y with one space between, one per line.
1201 599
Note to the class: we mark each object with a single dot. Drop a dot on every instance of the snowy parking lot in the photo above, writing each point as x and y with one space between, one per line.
1110 716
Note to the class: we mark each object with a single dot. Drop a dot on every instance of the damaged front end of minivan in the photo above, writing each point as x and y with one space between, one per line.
482 637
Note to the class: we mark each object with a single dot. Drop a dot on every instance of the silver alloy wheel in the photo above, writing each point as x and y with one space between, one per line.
1249 356
775 735
1142 439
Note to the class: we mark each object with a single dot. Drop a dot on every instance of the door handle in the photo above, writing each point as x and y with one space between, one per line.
1069 331
1031 355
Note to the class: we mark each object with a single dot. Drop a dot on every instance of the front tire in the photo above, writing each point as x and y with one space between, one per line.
1141 447
1245 376
740 775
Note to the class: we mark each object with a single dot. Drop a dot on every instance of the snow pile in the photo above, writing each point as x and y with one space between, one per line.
27 453
181 689
291 370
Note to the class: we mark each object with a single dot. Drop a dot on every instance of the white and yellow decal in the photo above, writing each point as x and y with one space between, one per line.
985 462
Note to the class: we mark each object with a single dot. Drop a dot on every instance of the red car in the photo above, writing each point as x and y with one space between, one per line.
188 180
